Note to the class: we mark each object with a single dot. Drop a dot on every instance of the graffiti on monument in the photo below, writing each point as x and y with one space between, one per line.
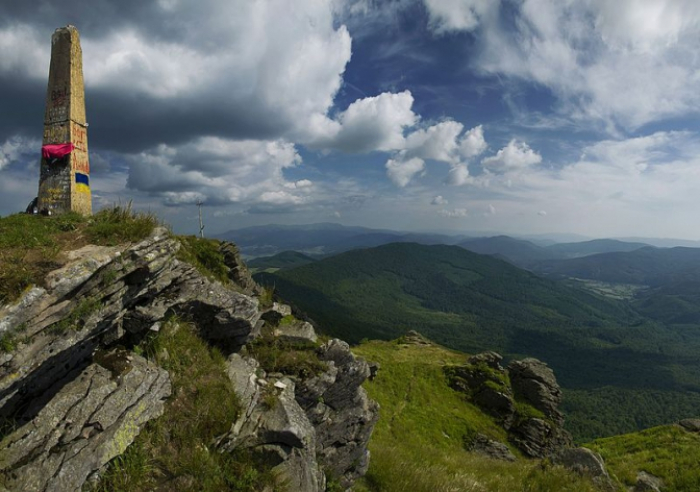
58 114
79 137
59 97
80 162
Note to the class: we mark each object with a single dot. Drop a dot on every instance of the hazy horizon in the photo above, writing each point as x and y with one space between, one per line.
554 237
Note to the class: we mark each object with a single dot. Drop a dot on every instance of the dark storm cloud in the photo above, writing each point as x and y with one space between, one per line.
22 103
132 124
94 19
168 71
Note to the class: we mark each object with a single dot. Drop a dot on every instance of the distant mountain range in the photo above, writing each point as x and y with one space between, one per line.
646 266
322 238
526 254
327 238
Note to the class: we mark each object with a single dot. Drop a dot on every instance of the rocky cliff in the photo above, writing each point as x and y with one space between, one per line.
75 391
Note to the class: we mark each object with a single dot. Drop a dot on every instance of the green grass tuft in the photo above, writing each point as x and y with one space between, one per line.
291 358
77 317
267 297
205 256
526 411
120 224
8 343
287 320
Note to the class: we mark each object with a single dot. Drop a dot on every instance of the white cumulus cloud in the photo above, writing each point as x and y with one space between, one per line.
473 143
439 200
457 15
458 176
618 64
438 142
15 147
401 172
514 156
372 123
219 171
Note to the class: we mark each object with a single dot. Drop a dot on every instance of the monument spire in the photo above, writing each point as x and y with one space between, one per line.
64 182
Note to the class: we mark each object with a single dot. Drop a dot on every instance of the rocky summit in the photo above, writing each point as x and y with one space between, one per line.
76 391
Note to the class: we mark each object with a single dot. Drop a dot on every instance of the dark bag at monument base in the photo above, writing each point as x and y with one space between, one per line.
33 208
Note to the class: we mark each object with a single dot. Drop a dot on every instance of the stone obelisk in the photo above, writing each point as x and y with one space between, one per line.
64 183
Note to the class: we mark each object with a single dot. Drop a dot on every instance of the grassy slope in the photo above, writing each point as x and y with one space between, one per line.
417 443
668 452
621 371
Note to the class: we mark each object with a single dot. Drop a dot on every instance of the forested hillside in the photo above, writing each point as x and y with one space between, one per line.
606 354
647 266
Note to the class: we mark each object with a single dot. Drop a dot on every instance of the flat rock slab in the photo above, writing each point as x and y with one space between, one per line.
493 449
299 331
91 420
691 425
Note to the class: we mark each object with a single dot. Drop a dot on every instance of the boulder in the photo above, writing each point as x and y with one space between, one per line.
374 368
534 383
646 482
282 309
243 373
585 462
412 337
538 438
493 449
276 428
309 426
490 359
484 381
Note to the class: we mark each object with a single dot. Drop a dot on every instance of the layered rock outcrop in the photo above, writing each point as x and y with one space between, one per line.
290 420
75 395
524 398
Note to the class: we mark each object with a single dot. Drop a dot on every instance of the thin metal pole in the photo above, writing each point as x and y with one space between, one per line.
201 224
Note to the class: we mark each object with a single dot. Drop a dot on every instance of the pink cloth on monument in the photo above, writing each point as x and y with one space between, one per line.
56 151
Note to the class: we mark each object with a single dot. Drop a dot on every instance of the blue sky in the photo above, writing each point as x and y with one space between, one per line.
513 116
